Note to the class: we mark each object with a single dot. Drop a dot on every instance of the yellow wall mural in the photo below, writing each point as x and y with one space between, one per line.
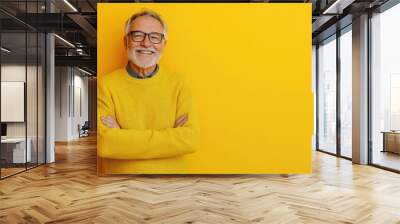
248 66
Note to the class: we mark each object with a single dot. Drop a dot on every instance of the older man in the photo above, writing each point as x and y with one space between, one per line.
146 114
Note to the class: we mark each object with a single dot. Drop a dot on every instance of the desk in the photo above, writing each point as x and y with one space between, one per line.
13 150
391 141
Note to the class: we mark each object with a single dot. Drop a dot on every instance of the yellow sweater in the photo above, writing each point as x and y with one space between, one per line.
146 110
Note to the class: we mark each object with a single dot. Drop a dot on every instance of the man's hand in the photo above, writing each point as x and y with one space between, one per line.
109 121
181 121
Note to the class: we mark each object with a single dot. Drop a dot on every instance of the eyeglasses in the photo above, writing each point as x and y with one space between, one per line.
139 36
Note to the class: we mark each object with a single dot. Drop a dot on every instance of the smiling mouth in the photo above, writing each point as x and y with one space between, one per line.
146 52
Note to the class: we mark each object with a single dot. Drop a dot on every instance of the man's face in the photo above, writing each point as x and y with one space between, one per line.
147 52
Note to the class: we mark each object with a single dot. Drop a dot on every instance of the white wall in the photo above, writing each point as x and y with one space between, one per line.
15 72
61 103
81 103
71 94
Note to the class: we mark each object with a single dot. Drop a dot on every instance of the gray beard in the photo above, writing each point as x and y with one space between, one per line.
132 57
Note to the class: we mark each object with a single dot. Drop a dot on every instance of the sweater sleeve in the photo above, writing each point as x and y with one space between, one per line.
116 143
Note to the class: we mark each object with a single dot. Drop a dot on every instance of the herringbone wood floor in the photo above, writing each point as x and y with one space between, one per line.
70 192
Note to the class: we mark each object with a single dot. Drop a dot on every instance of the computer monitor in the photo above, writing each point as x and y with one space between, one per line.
3 129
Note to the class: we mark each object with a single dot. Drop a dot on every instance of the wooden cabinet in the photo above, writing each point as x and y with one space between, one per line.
391 142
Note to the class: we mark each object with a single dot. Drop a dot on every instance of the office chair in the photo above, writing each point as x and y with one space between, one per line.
84 130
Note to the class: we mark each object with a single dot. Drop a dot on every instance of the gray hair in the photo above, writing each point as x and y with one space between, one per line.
146 12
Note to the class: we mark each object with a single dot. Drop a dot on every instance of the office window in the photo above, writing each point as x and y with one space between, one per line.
385 88
346 93
327 95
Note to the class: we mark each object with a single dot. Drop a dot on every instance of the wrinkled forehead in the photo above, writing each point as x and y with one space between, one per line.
146 24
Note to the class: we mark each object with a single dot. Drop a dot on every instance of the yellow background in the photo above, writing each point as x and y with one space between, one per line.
250 70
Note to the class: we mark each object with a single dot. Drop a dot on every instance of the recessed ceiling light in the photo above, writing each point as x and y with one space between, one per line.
338 6
84 71
5 50
70 5
64 40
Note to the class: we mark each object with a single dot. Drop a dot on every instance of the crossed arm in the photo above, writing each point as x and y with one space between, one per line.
118 143
110 122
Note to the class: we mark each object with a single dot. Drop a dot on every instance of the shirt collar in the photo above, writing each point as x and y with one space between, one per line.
134 74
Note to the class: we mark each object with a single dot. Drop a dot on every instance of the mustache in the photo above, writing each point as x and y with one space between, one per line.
151 49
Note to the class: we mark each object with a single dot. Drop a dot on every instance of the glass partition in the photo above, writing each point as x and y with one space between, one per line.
385 89
327 95
346 93
14 153
22 90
